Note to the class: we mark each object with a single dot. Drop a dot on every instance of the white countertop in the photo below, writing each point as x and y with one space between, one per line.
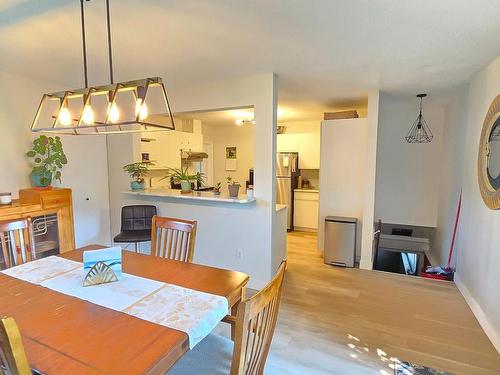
307 190
195 195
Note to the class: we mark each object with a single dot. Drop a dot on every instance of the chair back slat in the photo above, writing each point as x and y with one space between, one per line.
173 238
17 242
255 323
13 359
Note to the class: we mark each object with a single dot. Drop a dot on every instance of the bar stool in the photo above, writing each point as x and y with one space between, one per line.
136 225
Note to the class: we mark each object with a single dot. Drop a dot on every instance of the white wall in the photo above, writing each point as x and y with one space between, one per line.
370 180
342 173
407 180
222 136
478 240
294 127
223 232
85 174
453 158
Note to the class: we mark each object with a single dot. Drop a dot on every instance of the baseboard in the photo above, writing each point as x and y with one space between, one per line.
365 265
480 315
304 229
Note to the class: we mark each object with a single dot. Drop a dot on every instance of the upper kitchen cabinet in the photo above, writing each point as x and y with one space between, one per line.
288 143
306 144
309 147
164 147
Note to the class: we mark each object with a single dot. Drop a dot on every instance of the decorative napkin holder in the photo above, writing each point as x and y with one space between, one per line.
102 266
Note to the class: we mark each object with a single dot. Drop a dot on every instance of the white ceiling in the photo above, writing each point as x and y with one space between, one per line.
327 53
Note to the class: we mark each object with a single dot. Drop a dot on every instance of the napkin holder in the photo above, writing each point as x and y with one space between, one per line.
102 266
100 273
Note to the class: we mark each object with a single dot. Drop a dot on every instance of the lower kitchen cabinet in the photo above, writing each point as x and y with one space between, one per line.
306 209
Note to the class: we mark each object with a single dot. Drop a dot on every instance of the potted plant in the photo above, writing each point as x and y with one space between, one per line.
217 188
182 176
138 172
233 187
48 158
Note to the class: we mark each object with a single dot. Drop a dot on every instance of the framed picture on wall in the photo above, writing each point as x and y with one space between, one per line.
231 154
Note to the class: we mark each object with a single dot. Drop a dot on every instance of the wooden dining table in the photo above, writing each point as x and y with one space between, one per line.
66 335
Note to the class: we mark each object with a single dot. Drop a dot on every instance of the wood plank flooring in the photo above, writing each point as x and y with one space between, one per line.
351 321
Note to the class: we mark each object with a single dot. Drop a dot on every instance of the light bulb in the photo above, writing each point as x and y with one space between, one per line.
64 117
114 113
88 115
141 109
239 122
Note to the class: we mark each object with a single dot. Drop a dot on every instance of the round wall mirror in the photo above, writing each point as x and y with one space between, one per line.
489 157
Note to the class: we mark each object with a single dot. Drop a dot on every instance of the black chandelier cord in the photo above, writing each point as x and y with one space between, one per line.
84 45
110 51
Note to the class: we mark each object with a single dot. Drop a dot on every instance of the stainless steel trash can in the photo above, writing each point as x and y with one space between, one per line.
340 240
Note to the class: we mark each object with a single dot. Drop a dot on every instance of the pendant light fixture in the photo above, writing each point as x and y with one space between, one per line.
420 131
125 107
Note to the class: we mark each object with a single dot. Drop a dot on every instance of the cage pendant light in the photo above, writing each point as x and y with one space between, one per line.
125 107
419 131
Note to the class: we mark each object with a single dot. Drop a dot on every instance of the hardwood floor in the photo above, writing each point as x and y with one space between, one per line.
351 321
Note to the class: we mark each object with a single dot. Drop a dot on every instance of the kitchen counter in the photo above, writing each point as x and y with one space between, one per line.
307 190
195 195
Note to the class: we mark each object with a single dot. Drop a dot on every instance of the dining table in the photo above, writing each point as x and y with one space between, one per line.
63 334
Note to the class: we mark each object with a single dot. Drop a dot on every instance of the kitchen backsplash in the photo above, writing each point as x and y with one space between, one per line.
312 175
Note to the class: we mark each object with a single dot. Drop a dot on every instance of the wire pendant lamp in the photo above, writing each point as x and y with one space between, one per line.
419 131
125 107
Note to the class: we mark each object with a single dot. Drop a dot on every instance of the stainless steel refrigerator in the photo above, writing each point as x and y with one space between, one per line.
287 173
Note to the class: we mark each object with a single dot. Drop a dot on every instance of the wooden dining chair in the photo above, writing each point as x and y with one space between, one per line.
173 238
13 360
255 322
17 242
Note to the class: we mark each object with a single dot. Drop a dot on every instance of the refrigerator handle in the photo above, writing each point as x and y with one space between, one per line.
294 164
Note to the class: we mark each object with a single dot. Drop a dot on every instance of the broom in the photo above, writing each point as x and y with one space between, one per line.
446 272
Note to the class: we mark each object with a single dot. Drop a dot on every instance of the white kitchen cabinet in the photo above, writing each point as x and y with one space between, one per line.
287 142
309 150
165 149
306 208
306 144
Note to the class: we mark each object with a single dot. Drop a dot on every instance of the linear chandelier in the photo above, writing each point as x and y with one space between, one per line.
419 131
126 107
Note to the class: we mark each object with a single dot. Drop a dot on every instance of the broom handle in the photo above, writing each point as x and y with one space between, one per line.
454 231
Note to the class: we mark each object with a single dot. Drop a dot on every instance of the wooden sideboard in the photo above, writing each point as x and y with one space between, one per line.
35 202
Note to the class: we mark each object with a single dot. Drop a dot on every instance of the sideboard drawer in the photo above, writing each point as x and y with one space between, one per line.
56 200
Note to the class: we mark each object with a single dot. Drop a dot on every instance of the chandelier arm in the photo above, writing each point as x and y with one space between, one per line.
110 51
84 44
165 96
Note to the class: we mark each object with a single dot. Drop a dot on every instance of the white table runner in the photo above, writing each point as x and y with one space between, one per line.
190 311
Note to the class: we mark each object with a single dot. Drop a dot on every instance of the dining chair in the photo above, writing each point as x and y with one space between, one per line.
17 242
173 238
13 360
135 224
255 323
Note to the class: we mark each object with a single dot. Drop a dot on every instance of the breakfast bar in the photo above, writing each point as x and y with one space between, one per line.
208 196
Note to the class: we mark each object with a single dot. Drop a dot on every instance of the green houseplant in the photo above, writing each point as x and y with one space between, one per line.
182 176
48 158
138 171
217 188
233 187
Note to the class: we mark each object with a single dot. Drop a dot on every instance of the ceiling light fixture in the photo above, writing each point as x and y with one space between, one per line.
419 131
126 107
